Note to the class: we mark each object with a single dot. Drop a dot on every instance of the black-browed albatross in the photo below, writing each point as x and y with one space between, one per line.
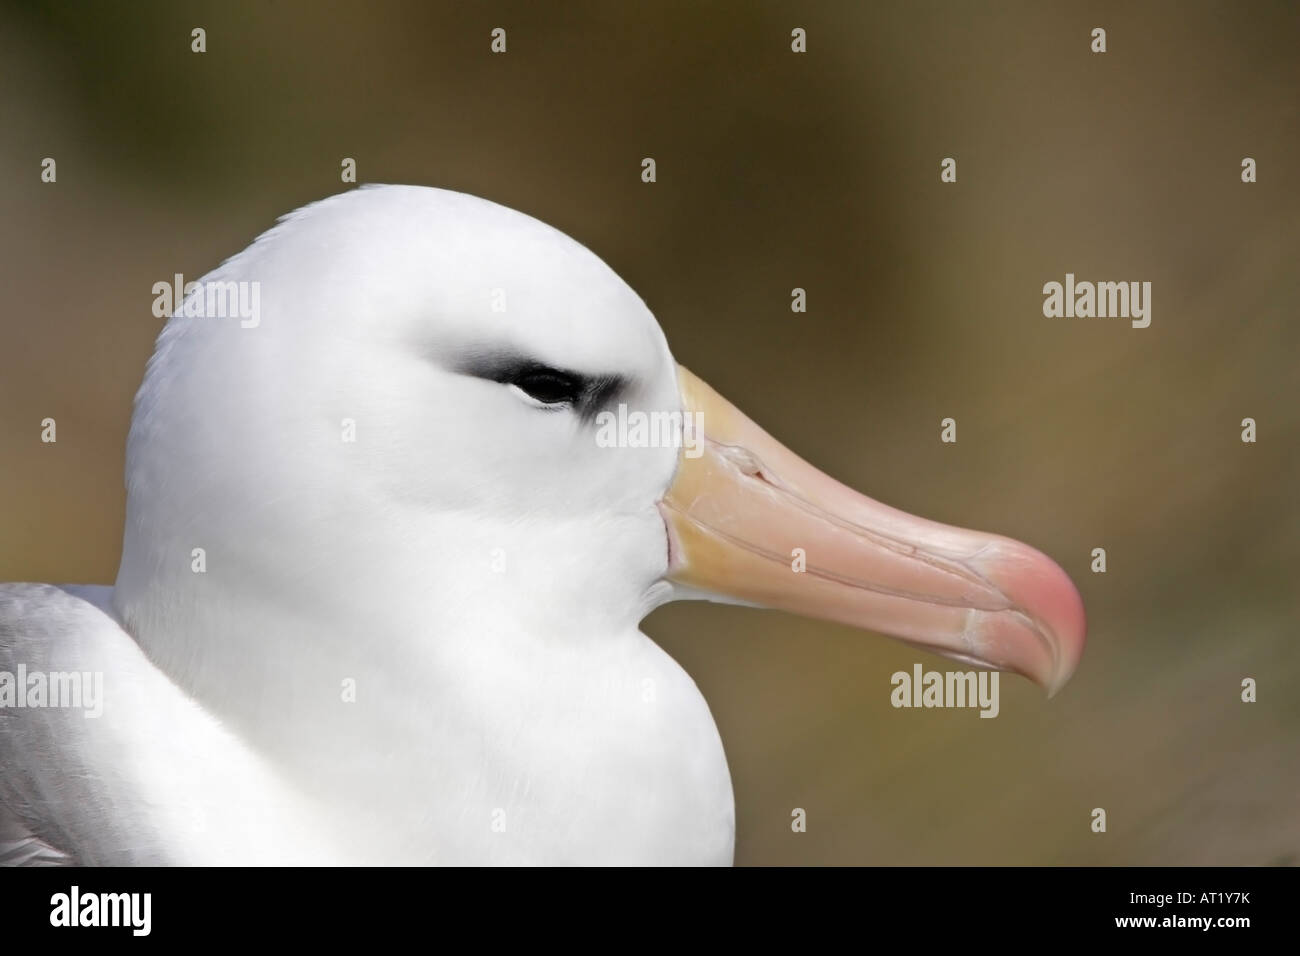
380 585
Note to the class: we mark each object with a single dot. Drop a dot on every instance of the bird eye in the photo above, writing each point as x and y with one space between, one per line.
548 386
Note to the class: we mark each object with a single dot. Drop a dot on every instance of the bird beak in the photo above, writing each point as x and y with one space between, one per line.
750 522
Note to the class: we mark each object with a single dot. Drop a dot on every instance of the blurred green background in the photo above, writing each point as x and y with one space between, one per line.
778 170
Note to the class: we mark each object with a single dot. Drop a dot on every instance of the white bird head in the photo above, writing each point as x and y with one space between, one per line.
416 417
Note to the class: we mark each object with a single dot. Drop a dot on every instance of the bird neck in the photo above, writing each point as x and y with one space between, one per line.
284 631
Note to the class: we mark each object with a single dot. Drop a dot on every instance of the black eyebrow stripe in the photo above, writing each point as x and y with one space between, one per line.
595 391
497 366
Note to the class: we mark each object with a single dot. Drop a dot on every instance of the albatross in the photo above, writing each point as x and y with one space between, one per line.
380 586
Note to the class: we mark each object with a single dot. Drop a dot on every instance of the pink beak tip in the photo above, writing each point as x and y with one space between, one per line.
1049 597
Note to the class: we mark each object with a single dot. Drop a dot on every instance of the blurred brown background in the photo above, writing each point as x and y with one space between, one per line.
779 170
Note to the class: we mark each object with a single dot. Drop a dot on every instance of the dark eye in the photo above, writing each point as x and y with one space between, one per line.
548 386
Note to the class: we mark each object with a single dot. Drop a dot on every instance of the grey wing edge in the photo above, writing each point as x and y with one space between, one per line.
20 604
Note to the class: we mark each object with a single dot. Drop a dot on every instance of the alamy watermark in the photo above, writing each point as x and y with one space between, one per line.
1086 300
948 689
80 690
638 429
213 299
133 911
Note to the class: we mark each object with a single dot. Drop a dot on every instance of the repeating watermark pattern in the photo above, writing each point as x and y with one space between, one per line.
639 429
624 427
213 299
947 689
74 690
